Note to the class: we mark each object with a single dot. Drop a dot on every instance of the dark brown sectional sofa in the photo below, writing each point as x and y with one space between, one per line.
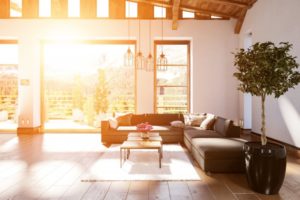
222 128
160 122
216 150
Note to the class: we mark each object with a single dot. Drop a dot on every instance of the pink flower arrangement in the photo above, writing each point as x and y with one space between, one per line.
144 127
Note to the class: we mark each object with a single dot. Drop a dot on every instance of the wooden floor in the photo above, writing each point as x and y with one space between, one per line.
51 166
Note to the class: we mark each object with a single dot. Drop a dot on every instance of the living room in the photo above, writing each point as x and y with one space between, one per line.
37 149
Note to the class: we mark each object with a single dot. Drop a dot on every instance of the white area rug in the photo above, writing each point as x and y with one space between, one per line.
143 165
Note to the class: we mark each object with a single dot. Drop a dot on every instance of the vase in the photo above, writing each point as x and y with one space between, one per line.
265 166
145 135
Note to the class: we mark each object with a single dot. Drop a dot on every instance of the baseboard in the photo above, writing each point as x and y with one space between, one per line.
274 140
33 130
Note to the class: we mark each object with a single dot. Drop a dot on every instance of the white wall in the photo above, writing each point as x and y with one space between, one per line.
277 21
213 86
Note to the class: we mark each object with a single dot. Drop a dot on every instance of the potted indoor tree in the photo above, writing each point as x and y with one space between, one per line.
266 69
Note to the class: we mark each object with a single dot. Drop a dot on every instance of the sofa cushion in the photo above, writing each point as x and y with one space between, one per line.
113 123
222 126
155 128
124 120
197 132
177 124
197 120
208 122
194 119
162 119
219 148
137 119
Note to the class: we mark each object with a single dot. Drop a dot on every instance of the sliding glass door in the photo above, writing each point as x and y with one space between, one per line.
86 81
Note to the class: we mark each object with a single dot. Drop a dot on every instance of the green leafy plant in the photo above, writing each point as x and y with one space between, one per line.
102 92
266 69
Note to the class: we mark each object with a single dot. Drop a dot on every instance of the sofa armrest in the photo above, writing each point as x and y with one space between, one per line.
234 131
105 127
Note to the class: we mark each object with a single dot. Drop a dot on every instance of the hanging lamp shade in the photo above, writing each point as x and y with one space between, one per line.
162 62
149 63
128 58
139 59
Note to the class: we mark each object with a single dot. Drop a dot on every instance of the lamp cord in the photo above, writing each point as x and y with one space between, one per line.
162 27
139 35
149 36
128 20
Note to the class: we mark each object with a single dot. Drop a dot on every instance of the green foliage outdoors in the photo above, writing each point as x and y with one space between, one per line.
77 93
266 69
101 95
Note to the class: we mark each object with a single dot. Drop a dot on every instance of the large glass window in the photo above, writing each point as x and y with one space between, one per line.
8 84
102 8
172 86
16 8
45 8
186 14
74 8
86 82
131 9
160 12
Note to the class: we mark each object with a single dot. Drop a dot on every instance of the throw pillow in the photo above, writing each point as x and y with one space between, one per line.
124 120
194 119
208 123
113 123
197 120
177 124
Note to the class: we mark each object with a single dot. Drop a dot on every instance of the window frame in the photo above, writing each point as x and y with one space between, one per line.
188 65
10 9
164 16
128 2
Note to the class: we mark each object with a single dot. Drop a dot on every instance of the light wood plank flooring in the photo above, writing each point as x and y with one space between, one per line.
51 166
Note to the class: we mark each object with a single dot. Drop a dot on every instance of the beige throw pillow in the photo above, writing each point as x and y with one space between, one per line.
113 123
193 119
177 124
197 120
208 123
124 120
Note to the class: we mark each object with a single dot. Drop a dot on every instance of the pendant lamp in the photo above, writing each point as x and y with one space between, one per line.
162 60
149 63
139 59
128 56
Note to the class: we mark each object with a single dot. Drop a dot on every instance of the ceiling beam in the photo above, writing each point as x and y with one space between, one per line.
240 21
164 3
176 4
252 3
231 3
187 8
30 8
4 9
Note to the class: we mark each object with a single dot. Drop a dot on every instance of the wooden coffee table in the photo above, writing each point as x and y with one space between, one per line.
135 141
153 136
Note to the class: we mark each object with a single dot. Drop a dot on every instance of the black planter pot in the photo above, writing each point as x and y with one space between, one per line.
265 166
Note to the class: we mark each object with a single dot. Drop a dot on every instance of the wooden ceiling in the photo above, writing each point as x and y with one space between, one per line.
207 9
236 9
203 9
